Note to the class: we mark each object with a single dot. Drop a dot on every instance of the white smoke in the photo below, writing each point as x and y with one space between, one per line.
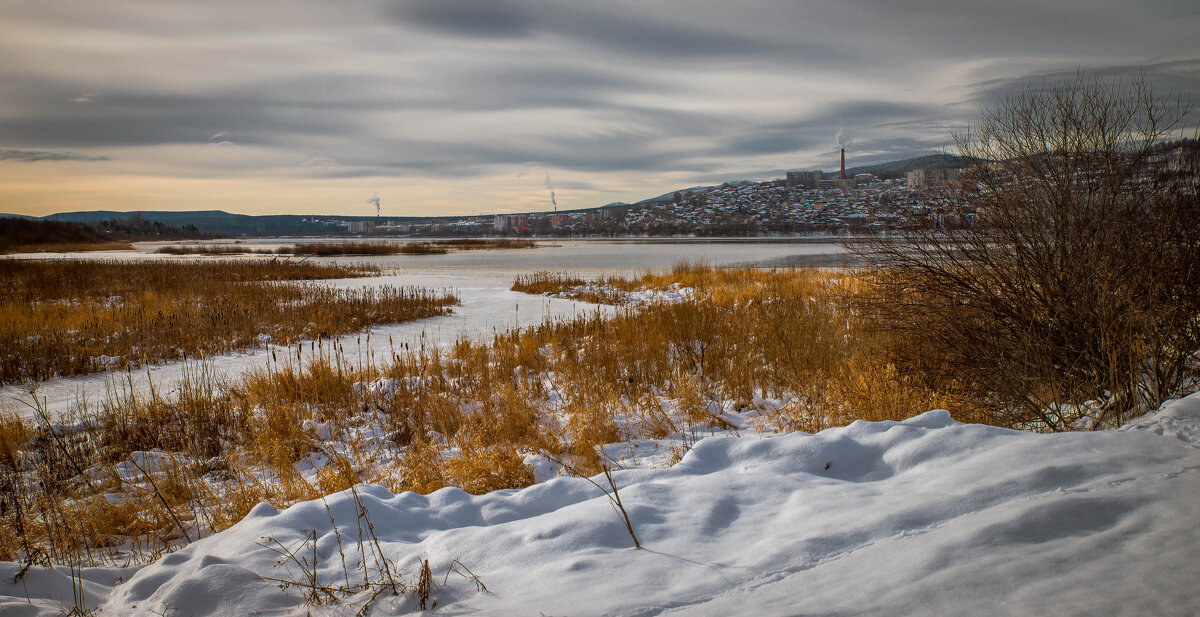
550 186
841 137
375 200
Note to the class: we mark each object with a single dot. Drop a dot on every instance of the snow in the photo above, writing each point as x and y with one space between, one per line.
635 298
922 517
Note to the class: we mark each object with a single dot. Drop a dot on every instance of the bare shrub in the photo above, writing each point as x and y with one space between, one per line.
1056 287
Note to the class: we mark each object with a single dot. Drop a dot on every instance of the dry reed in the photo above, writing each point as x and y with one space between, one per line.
70 317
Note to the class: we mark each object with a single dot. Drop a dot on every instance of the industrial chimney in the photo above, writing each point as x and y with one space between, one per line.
843 164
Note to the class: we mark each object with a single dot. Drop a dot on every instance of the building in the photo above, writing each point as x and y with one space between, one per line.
804 179
559 220
844 184
925 178
513 222
361 227
865 179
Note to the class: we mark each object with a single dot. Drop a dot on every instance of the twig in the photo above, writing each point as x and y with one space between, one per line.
614 498
157 493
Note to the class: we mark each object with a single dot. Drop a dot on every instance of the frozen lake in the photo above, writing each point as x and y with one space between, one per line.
481 279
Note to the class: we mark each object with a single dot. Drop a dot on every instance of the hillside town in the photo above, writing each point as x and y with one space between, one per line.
803 203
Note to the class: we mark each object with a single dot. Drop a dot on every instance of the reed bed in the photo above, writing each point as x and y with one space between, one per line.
74 317
769 350
327 249
212 249
468 244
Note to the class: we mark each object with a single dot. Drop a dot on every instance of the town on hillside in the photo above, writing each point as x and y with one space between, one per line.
803 203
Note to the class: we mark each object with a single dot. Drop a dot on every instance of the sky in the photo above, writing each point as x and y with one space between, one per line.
451 107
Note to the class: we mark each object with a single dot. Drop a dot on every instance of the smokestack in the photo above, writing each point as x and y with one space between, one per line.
843 163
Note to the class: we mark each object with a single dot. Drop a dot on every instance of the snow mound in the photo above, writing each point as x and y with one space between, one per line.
926 516
634 298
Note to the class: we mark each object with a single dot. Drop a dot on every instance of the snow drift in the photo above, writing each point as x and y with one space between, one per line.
925 516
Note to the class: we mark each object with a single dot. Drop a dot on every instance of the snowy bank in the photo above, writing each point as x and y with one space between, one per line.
922 517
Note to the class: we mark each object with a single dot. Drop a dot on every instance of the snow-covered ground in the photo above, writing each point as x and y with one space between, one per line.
922 517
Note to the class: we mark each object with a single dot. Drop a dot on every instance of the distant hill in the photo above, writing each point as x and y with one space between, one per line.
897 169
26 233
216 222
669 197
890 169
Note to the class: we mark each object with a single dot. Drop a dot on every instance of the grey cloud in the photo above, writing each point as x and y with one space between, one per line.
289 110
614 29
138 118
881 150
818 131
46 155
338 117
480 18
1167 77
457 88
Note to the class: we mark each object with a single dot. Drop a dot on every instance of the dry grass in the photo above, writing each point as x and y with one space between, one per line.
327 249
774 346
210 249
468 244
548 283
74 317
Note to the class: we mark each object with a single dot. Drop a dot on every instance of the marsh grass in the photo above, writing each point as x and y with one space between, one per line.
774 346
327 249
212 249
468 244
71 317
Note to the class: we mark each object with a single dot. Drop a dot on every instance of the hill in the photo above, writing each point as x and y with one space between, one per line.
897 169
24 233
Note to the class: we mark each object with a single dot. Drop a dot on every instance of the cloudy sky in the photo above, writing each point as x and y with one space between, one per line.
463 106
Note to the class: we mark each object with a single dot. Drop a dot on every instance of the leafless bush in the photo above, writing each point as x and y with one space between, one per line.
1058 289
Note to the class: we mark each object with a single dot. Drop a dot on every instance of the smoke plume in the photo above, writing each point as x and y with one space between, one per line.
375 200
550 186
